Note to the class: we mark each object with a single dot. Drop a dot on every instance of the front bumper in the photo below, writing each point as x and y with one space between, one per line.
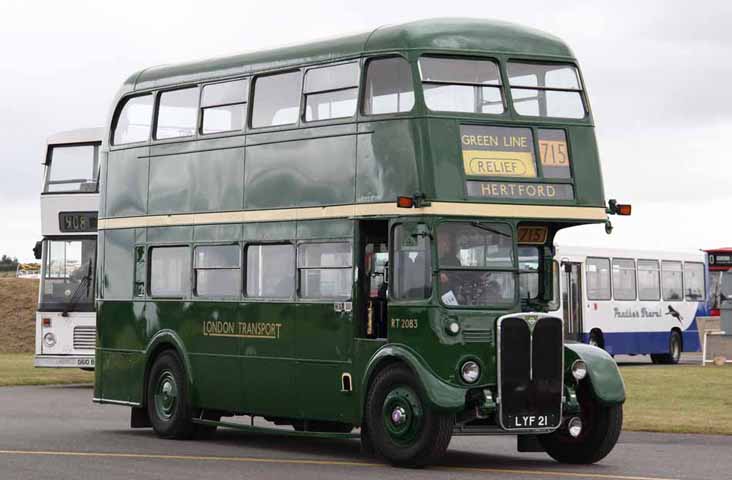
64 361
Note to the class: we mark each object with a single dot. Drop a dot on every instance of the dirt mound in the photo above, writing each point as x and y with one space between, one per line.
18 301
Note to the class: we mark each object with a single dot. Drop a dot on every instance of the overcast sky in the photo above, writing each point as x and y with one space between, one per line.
658 75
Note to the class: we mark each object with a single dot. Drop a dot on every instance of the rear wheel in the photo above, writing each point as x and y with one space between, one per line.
674 351
168 403
167 398
401 426
601 426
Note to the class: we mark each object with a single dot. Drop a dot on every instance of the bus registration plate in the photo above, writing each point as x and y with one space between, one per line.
528 421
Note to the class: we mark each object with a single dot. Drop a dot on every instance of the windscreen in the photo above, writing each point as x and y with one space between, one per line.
476 262
72 169
67 282
721 288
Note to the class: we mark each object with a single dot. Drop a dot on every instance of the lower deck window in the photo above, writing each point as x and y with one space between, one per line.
169 271
217 271
671 280
270 271
598 278
694 281
624 279
325 270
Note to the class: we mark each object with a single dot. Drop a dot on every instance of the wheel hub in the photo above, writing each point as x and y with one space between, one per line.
166 395
402 412
398 416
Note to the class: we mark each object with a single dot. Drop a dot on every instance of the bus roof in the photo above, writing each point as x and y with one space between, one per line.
79 135
446 34
616 252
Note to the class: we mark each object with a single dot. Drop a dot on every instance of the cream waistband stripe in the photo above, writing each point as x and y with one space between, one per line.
358 210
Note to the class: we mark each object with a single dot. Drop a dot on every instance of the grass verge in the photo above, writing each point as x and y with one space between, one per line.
18 369
678 399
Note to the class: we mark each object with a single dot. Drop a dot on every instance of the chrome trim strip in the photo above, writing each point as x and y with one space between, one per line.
116 402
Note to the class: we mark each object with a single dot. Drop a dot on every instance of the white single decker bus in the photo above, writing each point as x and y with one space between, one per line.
66 318
632 301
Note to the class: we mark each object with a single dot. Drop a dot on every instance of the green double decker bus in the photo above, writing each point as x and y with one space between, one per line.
355 235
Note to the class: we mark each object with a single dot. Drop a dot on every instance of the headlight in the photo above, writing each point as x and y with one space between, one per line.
579 370
453 328
470 371
575 427
49 339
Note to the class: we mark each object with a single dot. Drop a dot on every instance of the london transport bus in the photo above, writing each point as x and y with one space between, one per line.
327 236
66 318
632 301
720 266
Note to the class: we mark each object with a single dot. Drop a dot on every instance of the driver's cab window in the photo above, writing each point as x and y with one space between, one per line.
412 262
528 272
476 264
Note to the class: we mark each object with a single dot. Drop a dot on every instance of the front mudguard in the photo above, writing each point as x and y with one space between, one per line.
440 395
602 371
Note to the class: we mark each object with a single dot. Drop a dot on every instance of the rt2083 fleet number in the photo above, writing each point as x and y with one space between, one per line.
406 323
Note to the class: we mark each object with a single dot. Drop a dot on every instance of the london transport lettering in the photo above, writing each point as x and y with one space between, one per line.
267 330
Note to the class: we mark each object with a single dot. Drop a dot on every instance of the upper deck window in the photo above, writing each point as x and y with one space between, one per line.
134 120
331 92
546 90
224 107
461 85
72 169
177 113
276 100
389 86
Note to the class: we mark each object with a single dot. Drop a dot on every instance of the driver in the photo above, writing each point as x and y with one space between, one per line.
463 287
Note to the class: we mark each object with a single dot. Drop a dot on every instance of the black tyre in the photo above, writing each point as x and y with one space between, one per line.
600 431
596 339
674 351
674 348
168 404
401 426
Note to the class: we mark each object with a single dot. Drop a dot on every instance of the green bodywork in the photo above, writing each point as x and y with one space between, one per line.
359 160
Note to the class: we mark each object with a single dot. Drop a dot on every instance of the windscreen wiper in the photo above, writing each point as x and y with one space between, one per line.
492 230
76 297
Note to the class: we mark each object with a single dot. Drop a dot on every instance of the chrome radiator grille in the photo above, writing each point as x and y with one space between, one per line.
85 338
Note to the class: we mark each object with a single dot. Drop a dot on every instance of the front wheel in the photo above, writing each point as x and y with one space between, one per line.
601 425
401 425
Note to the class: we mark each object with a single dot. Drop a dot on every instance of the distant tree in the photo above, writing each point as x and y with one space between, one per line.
8 263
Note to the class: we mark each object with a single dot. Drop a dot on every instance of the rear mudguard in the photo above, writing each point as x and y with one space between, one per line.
440 395
603 373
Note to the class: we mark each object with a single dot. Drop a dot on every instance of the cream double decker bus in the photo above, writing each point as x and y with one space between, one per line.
66 317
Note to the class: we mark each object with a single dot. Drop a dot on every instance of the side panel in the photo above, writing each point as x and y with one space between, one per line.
281 172
127 182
